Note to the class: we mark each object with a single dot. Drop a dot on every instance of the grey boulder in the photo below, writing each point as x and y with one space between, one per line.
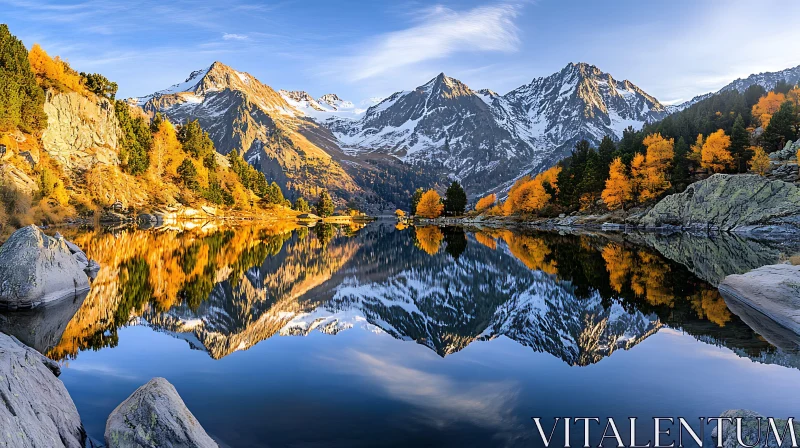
36 409
741 203
155 416
773 290
751 431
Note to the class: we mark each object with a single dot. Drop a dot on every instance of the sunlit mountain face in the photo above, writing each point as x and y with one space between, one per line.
579 298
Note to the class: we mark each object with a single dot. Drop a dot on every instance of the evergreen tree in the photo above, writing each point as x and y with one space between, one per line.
324 204
301 205
136 139
606 151
594 175
274 194
195 141
21 98
680 166
780 128
415 200
455 199
740 142
188 174
99 85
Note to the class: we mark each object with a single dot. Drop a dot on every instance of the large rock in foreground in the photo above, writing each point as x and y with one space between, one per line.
35 408
752 431
155 416
774 291
36 269
741 203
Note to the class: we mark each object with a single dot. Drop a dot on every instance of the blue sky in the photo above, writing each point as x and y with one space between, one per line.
362 49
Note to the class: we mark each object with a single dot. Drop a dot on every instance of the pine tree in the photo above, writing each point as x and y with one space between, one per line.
188 173
324 204
301 205
680 166
136 139
740 142
415 198
455 199
21 98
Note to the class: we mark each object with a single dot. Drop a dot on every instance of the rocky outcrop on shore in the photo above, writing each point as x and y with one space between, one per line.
155 416
81 131
731 203
773 290
36 269
35 408
753 432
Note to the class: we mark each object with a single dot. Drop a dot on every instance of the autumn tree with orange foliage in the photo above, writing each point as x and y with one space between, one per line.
428 238
531 195
430 205
766 106
715 154
651 172
53 72
760 162
618 186
486 202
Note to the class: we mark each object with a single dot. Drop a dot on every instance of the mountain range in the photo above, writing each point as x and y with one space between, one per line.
438 131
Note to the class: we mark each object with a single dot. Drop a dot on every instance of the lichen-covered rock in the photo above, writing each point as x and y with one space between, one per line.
35 408
81 131
772 290
731 203
155 416
750 430
789 152
36 269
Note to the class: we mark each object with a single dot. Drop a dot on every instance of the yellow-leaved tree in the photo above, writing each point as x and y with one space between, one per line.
657 163
715 154
429 239
430 205
766 107
760 162
53 72
486 202
618 186
531 195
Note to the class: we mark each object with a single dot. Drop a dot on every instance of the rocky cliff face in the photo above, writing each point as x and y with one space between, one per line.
732 203
81 131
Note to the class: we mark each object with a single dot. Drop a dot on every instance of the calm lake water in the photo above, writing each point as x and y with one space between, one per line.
279 336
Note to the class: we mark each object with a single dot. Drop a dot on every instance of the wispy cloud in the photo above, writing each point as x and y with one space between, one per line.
437 33
233 36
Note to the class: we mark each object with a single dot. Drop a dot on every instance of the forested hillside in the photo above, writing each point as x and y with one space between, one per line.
69 149
728 132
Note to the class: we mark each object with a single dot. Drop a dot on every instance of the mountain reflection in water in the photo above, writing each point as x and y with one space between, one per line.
579 298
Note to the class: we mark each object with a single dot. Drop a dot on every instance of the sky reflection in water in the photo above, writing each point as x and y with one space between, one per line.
427 337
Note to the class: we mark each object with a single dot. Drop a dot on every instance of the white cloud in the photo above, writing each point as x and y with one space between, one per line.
232 36
439 32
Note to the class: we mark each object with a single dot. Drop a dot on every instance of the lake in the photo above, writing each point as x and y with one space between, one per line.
380 335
